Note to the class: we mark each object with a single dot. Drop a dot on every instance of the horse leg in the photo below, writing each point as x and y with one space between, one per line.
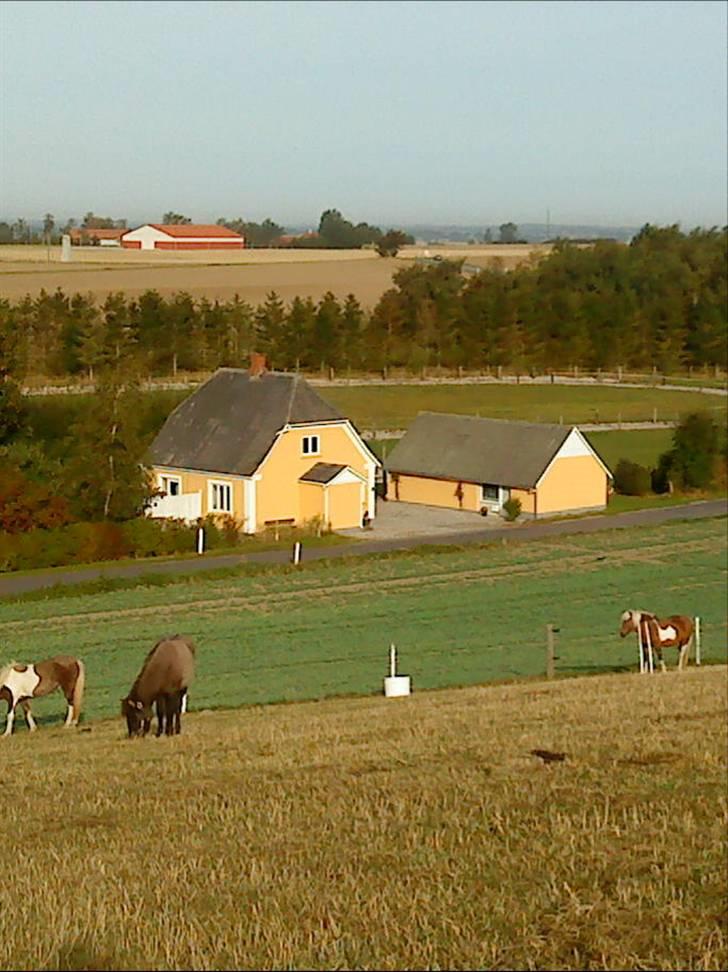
32 725
663 666
162 715
10 719
172 711
70 715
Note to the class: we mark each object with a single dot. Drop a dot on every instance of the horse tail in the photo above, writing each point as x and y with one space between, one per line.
78 689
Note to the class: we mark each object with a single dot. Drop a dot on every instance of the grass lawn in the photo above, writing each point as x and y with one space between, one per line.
394 407
461 616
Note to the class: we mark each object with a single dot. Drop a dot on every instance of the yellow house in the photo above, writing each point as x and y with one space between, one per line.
264 448
478 464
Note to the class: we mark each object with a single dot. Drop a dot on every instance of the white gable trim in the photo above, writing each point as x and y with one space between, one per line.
344 424
573 445
347 475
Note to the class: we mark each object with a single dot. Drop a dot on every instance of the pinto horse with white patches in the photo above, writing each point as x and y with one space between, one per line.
21 683
657 633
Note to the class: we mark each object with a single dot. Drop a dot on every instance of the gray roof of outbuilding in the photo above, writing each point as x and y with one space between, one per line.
476 450
229 423
322 472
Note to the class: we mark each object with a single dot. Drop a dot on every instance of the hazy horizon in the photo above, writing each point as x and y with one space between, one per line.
449 114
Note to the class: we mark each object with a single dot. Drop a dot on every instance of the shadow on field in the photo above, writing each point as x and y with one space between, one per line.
81 956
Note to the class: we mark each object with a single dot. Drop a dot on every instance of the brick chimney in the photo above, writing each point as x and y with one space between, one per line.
257 364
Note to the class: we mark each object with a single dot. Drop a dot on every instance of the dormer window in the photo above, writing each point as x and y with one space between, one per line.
310 445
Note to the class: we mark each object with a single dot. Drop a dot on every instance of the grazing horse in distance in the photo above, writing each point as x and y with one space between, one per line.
163 681
674 632
21 683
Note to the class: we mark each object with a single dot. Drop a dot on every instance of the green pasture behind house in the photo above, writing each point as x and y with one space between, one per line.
478 464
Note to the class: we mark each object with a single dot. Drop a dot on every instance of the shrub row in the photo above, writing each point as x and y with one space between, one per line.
83 543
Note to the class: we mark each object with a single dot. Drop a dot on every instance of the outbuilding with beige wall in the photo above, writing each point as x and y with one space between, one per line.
476 464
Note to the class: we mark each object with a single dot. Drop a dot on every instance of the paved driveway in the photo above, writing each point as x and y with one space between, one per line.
400 521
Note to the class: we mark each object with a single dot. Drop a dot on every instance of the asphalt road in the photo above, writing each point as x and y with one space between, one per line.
11 586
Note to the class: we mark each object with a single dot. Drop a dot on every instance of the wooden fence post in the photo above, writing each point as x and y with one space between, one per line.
549 651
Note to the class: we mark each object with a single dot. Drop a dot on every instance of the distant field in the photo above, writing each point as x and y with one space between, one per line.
251 274
394 407
458 617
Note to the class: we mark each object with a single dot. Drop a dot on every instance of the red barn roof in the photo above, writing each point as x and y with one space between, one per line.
195 229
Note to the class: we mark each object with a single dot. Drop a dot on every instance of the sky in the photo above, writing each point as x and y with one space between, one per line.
395 113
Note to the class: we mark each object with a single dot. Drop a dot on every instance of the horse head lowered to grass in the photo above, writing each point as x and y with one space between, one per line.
655 633
21 683
163 681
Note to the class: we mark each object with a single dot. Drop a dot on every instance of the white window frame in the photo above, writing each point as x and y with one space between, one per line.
164 481
218 485
307 444
494 502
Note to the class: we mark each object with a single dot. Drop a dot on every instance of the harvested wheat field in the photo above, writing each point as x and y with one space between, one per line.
416 833
251 274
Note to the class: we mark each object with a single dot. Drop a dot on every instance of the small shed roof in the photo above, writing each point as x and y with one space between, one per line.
322 472
229 423
476 450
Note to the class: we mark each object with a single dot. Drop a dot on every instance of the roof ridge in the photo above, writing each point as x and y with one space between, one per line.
294 386
488 418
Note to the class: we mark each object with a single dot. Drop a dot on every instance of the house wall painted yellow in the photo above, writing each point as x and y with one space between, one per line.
434 492
311 498
278 494
277 487
572 483
346 504
527 498
197 482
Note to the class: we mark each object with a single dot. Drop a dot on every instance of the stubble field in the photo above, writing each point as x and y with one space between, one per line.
359 832
251 274
415 833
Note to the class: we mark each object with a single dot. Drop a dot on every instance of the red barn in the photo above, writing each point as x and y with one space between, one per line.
182 236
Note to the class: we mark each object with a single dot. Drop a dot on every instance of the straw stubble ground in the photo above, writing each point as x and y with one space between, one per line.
372 833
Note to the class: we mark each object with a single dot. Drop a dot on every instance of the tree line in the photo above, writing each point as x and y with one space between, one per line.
658 302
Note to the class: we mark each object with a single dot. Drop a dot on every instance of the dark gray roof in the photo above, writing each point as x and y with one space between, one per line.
476 450
228 424
322 472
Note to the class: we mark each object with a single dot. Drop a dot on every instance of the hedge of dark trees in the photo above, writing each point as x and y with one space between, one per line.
658 302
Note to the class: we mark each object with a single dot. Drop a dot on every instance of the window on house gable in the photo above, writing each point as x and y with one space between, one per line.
310 445
221 497
171 485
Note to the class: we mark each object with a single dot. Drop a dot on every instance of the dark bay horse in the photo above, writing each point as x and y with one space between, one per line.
657 633
163 681
21 683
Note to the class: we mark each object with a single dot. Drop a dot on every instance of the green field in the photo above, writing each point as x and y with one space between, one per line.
460 616
394 407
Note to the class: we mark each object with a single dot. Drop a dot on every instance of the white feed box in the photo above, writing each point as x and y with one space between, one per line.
396 685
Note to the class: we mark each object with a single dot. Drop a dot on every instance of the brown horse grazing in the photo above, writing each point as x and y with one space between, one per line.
164 678
673 632
21 683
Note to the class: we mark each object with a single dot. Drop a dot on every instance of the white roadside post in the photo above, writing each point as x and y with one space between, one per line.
396 685
296 559
641 648
650 656
697 641
200 540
